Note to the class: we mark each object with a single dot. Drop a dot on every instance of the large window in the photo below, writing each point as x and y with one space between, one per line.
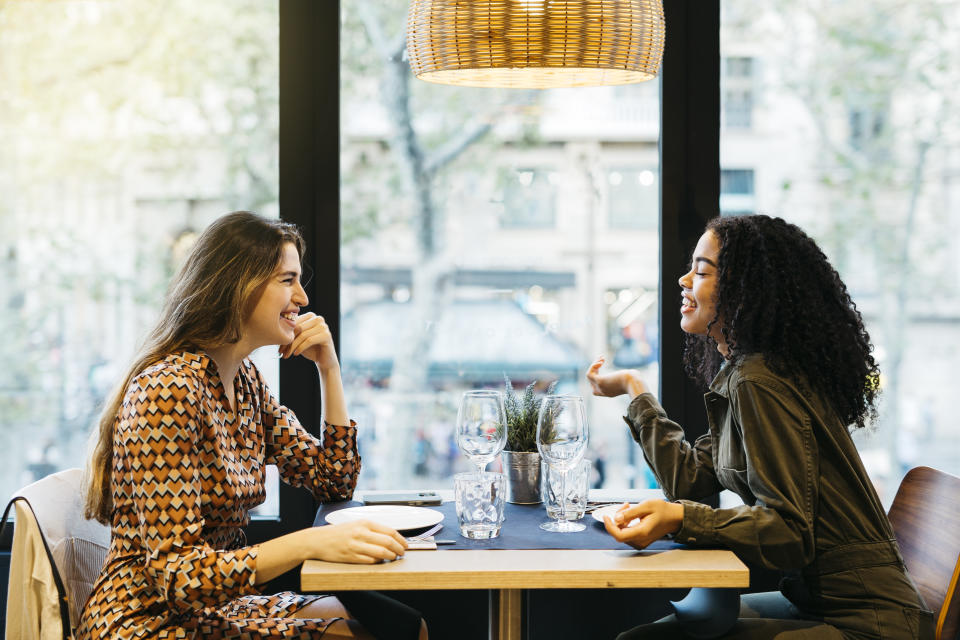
481 248
528 197
857 141
125 128
633 198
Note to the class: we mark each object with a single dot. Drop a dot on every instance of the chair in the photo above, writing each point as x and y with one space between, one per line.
57 556
925 515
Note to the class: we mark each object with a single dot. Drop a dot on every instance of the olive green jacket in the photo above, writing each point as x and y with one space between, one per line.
809 505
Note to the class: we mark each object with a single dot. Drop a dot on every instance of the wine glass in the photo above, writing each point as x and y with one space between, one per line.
481 426
562 441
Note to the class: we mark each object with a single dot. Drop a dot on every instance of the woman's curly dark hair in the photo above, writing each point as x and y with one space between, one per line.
779 296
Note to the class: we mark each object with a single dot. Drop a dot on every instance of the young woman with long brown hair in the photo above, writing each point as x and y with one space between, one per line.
182 448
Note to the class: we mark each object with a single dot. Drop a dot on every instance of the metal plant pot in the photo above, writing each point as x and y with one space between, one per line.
522 469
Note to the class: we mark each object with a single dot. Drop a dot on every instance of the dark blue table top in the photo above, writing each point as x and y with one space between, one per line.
521 530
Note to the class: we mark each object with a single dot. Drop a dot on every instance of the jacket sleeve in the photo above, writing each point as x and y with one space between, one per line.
683 470
159 442
328 468
776 532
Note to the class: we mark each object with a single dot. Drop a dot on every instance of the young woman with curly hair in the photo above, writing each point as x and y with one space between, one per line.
181 453
774 333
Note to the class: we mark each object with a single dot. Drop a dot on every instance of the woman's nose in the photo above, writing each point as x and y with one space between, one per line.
684 281
300 296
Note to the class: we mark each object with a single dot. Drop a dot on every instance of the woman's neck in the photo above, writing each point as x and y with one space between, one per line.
724 350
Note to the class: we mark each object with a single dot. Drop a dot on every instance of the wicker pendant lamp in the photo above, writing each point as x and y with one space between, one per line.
535 44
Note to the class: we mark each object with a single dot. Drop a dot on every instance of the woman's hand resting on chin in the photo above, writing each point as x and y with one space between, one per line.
312 340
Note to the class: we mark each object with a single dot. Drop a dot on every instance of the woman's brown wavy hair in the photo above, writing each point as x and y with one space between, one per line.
205 307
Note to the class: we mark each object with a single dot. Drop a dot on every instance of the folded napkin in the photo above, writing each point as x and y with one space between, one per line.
427 544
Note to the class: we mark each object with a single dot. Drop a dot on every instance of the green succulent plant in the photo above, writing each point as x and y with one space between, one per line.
521 414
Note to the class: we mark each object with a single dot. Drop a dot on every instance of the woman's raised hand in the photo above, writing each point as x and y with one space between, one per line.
615 383
313 340
357 542
657 519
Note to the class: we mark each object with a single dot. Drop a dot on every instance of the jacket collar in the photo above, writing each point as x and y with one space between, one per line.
719 385
752 364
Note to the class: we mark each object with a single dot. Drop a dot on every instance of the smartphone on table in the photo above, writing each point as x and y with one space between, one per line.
410 498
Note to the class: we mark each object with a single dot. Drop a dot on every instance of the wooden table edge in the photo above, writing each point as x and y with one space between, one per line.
533 569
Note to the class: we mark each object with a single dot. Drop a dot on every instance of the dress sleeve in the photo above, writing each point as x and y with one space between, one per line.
329 469
159 441
683 470
776 532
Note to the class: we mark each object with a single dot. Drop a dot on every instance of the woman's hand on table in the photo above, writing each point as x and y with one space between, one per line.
615 383
657 519
357 542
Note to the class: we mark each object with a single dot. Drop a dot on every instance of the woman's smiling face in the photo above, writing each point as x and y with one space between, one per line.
699 291
274 316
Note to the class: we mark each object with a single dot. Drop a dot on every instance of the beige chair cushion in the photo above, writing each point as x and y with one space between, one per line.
78 547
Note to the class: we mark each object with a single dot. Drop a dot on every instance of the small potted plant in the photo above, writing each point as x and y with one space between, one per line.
521 460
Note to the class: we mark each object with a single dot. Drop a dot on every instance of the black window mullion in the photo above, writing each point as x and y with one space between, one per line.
690 181
309 197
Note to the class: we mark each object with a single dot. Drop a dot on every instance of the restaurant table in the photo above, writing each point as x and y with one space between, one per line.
479 564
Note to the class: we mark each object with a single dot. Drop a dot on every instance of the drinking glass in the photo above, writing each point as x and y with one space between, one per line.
481 426
479 501
577 488
562 441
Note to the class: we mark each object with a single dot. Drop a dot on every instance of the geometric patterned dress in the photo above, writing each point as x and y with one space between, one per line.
186 472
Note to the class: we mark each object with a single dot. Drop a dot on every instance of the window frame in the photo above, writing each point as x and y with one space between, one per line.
310 180
689 183
310 195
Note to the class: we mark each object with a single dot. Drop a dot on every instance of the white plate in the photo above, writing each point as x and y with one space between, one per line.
609 510
399 517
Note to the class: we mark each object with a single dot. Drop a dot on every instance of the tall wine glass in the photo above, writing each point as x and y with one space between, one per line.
562 441
481 426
